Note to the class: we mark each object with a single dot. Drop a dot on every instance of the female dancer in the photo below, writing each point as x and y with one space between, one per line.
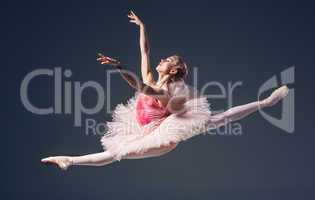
160 115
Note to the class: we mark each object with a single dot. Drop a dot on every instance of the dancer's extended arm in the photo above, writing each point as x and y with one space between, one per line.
137 84
132 79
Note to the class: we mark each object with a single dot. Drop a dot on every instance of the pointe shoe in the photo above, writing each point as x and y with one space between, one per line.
276 96
63 162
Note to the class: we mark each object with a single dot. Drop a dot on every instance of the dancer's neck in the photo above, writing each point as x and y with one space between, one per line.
163 80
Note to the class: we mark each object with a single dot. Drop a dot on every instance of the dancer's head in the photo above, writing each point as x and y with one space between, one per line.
173 66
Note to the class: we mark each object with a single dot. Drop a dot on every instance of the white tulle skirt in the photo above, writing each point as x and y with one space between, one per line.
125 135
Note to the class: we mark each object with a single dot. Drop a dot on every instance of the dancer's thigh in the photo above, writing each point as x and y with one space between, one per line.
154 152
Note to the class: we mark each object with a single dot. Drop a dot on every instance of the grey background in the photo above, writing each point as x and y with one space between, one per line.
227 40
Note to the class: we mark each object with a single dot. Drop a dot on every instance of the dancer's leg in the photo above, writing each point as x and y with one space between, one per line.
239 112
95 159
233 114
154 152
103 158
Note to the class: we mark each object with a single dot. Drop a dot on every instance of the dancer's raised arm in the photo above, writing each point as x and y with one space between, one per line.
146 72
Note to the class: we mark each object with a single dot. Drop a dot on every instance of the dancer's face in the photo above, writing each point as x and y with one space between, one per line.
166 66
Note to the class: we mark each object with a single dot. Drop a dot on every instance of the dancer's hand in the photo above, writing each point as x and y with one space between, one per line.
134 18
107 60
63 162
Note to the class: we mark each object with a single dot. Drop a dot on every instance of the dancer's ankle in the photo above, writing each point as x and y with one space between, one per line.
263 103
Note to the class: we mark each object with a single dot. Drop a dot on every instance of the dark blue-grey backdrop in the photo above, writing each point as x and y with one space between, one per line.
227 41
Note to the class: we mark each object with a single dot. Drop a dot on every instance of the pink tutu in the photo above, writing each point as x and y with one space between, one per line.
143 123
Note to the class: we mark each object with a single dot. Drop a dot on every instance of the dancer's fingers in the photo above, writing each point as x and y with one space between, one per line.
102 58
131 15
105 57
106 60
100 54
111 59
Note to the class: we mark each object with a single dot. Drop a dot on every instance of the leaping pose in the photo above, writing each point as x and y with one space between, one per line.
160 115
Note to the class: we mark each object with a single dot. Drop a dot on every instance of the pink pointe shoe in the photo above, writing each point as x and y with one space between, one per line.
63 162
275 96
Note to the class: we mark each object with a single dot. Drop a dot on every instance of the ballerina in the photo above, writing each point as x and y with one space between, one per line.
160 115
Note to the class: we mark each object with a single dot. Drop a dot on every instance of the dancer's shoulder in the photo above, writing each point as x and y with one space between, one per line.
180 88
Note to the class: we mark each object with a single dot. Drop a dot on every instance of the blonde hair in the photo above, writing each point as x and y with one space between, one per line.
181 66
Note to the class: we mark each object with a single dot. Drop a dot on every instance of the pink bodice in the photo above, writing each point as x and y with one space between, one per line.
149 109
